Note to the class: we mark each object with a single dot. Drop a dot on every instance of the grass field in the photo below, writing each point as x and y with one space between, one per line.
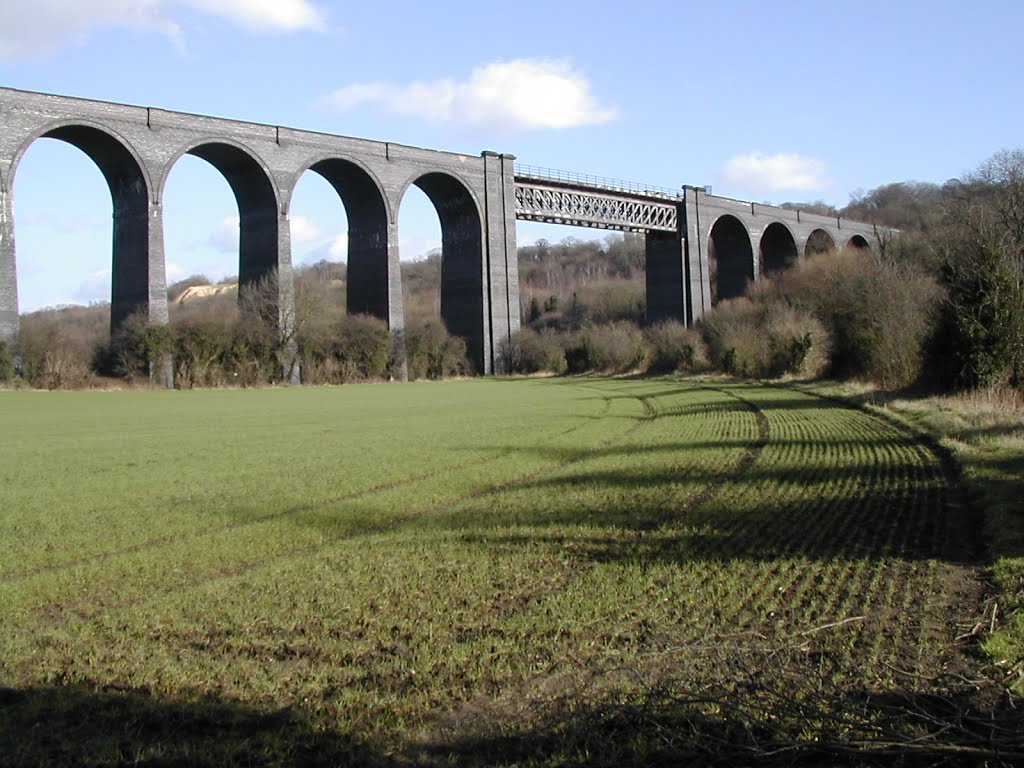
531 572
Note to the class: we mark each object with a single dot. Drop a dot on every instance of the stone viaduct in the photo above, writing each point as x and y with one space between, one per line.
699 248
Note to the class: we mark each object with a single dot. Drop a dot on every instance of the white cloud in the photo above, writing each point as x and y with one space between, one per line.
523 94
94 288
775 173
338 249
32 29
326 248
417 247
225 237
264 15
304 230
174 271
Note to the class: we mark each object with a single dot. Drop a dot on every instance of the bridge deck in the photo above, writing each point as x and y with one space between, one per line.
588 204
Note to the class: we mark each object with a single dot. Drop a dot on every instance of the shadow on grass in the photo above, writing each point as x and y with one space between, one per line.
901 510
1000 484
897 728
74 725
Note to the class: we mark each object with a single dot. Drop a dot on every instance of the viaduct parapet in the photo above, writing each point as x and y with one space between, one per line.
700 248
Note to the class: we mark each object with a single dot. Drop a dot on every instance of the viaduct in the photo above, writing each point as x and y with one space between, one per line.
700 248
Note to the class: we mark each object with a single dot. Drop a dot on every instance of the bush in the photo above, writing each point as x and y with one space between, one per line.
254 354
134 349
363 347
766 338
614 348
200 343
55 355
674 347
528 351
433 353
6 362
878 313
337 349
979 340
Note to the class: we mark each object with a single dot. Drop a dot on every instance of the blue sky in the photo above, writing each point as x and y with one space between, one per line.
765 100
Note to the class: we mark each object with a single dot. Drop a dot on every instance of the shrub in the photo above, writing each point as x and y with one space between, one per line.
979 339
55 355
528 351
203 334
674 347
878 313
6 362
797 342
766 338
433 353
254 353
363 347
614 348
134 349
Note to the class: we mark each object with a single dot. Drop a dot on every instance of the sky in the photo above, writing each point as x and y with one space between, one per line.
770 101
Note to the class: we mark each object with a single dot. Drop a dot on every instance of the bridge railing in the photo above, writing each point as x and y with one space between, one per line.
602 182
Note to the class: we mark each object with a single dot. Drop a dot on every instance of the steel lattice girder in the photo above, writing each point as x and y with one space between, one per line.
562 205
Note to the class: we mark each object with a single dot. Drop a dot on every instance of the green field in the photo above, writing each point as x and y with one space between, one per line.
536 572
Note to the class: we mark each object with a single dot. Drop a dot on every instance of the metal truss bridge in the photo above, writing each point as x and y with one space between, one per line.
559 197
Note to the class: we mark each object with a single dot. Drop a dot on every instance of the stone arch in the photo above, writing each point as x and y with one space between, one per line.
819 241
777 250
258 203
859 242
463 293
374 282
730 258
130 191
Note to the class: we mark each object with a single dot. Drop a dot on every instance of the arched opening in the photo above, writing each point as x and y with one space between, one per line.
819 241
859 242
123 274
319 232
372 282
462 290
257 209
259 346
200 231
778 250
730 259
419 233
64 235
